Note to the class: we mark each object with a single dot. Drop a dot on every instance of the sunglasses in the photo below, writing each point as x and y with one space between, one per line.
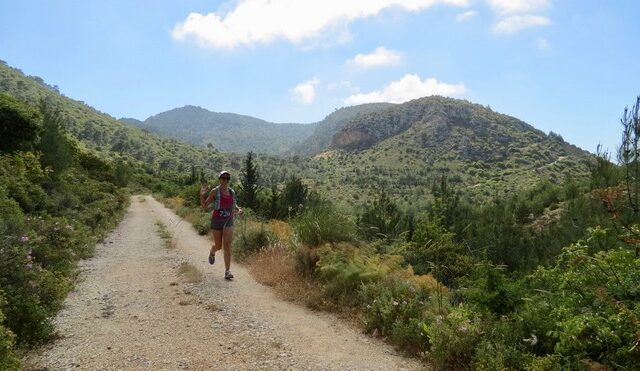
225 177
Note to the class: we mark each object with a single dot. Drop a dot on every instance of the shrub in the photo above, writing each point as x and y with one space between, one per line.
8 358
345 268
20 124
394 307
433 250
323 224
203 223
253 240
453 338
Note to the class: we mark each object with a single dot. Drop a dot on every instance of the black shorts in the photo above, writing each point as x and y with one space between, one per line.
222 223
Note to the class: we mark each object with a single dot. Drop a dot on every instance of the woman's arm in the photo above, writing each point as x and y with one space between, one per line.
238 210
209 199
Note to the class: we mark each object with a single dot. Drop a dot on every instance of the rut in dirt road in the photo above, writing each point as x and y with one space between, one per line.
141 305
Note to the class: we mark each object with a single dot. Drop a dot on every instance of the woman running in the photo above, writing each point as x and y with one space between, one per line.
224 209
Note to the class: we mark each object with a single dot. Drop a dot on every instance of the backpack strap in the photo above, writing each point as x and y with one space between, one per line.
216 200
233 197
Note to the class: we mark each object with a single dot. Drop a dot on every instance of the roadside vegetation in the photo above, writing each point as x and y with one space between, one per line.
57 200
545 279
543 275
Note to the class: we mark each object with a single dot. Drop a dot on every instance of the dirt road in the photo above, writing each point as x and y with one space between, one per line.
133 309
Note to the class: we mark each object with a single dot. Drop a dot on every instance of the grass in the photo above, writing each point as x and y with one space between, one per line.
165 235
190 273
276 267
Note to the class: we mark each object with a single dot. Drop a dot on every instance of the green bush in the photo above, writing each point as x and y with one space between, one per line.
20 124
203 224
453 338
323 224
488 288
47 224
253 240
395 308
191 195
433 250
8 358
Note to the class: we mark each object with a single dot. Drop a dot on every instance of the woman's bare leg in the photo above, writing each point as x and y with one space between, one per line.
217 241
227 238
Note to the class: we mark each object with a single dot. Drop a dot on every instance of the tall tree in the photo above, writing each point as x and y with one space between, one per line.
294 196
381 218
57 149
629 154
249 177
19 124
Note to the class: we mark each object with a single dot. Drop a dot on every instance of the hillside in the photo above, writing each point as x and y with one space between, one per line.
330 125
103 133
405 148
228 132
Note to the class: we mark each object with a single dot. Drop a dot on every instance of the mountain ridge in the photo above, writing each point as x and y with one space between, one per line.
228 132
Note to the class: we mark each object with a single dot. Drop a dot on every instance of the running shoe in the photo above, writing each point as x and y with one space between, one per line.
212 257
228 276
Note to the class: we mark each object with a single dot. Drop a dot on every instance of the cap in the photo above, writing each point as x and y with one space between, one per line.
223 172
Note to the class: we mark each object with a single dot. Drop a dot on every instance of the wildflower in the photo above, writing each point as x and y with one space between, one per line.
395 303
24 238
29 266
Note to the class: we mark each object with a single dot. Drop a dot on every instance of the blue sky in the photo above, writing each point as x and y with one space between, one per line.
565 66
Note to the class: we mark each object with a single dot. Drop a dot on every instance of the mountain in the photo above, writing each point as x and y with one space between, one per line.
334 122
130 121
357 151
228 132
405 148
102 133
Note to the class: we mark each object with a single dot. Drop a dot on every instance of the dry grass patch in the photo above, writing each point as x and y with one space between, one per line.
281 230
276 267
175 202
166 236
190 273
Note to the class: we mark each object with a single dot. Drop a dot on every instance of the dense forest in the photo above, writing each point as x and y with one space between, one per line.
540 277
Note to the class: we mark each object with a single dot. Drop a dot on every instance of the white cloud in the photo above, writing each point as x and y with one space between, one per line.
254 22
380 57
542 43
305 92
517 23
506 7
463 17
410 86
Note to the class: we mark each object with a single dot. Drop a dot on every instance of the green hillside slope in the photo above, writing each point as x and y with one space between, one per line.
228 132
405 148
103 133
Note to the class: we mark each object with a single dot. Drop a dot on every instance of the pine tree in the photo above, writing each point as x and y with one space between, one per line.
57 149
248 193
294 196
